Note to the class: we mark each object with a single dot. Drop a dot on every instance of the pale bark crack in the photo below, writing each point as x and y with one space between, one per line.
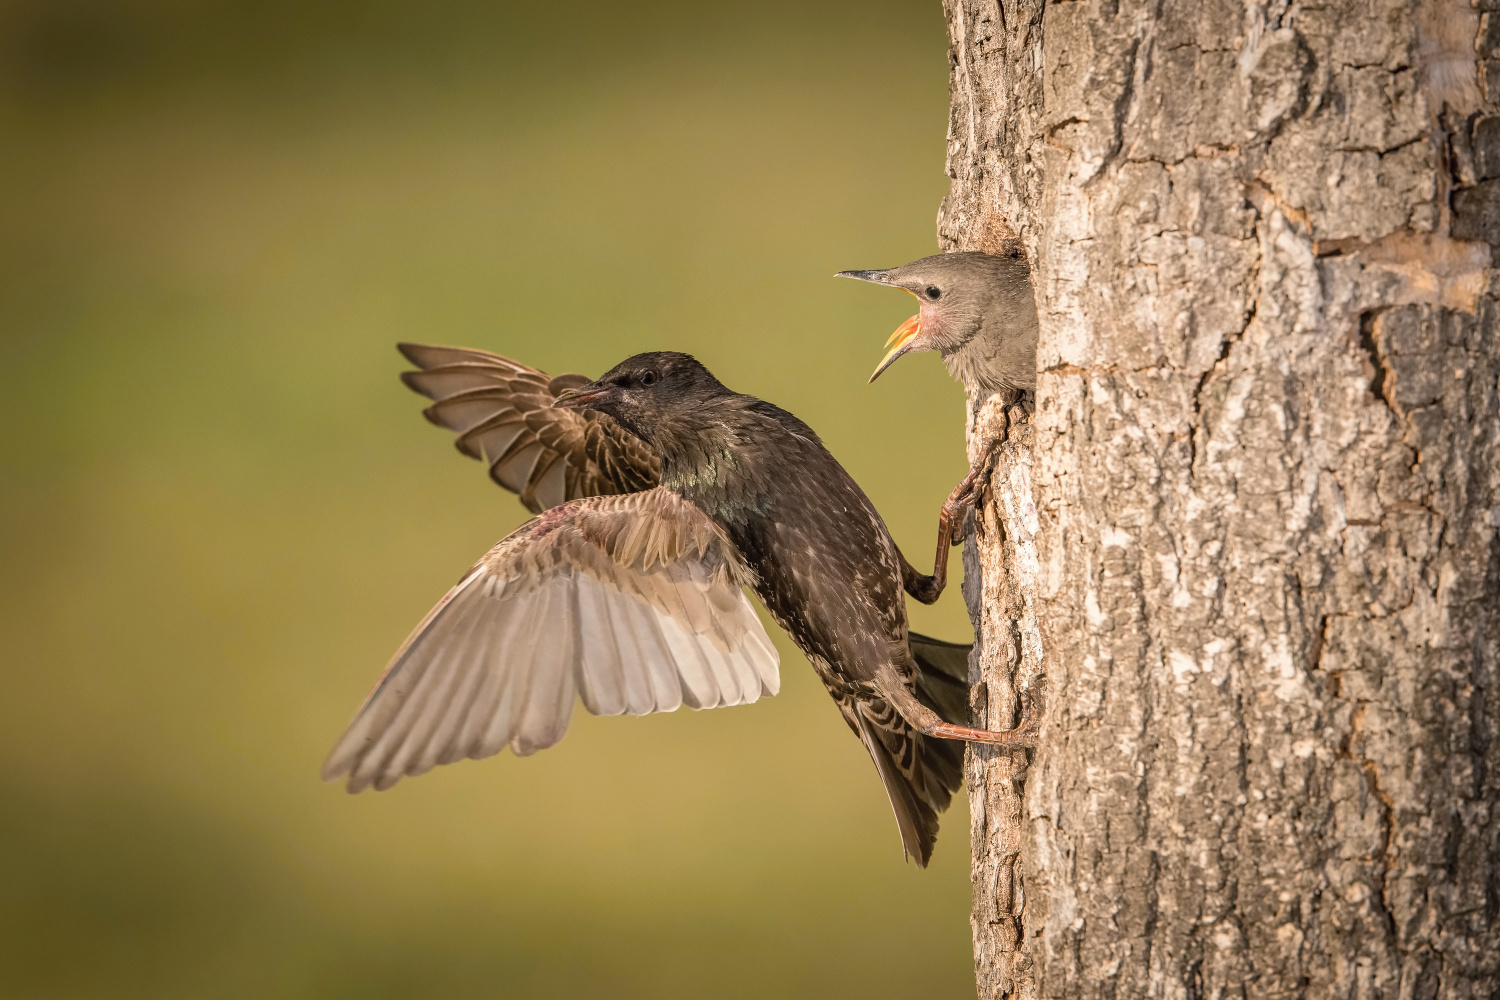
1383 151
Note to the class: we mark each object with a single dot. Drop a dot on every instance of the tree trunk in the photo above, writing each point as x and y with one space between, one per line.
1243 554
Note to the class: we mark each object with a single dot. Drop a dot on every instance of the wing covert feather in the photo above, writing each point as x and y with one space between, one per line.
502 412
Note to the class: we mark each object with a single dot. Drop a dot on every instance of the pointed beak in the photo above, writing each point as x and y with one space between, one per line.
903 339
582 396
881 277
899 343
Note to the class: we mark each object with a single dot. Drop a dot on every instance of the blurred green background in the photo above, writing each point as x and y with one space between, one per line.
220 512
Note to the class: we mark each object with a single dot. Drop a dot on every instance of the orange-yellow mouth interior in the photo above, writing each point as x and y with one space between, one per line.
905 331
898 343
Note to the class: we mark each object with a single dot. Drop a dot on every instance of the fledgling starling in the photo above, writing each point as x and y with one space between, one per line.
635 602
977 311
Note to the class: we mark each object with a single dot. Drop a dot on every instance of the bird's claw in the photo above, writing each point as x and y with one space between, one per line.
964 492
1030 722
968 491
962 496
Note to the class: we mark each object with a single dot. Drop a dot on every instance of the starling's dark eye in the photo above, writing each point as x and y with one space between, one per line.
932 292
648 378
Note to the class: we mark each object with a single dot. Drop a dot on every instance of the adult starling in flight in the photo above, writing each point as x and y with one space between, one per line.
503 414
635 600
977 311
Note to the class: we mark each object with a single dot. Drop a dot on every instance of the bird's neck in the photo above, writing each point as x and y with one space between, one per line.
705 463
698 447
967 364
998 358
709 462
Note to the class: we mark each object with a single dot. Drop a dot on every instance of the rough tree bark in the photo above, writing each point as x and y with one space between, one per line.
1243 553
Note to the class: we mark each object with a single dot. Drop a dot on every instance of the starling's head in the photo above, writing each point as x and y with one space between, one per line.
651 395
959 293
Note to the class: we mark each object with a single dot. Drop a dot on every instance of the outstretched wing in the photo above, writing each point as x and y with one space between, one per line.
634 602
502 412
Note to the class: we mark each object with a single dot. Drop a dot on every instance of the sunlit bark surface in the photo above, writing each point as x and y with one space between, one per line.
1244 553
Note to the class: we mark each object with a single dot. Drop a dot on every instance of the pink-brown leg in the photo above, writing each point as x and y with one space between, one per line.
1024 735
927 589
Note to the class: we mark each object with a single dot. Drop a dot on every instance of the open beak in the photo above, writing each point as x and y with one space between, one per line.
582 396
899 343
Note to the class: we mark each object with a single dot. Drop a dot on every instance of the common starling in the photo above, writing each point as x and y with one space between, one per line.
503 414
635 600
977 311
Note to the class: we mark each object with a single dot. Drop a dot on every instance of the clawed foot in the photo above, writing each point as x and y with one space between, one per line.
961 497
966 494
927 588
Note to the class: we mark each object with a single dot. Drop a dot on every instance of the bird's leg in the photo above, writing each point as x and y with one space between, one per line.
929 723
1024 735
927 589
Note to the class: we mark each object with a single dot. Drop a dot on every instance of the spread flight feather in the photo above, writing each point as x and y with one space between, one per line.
634 602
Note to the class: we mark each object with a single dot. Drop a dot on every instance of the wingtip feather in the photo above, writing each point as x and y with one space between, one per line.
411 381
411 352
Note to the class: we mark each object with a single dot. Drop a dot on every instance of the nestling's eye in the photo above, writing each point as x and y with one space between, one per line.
648 378
932 292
